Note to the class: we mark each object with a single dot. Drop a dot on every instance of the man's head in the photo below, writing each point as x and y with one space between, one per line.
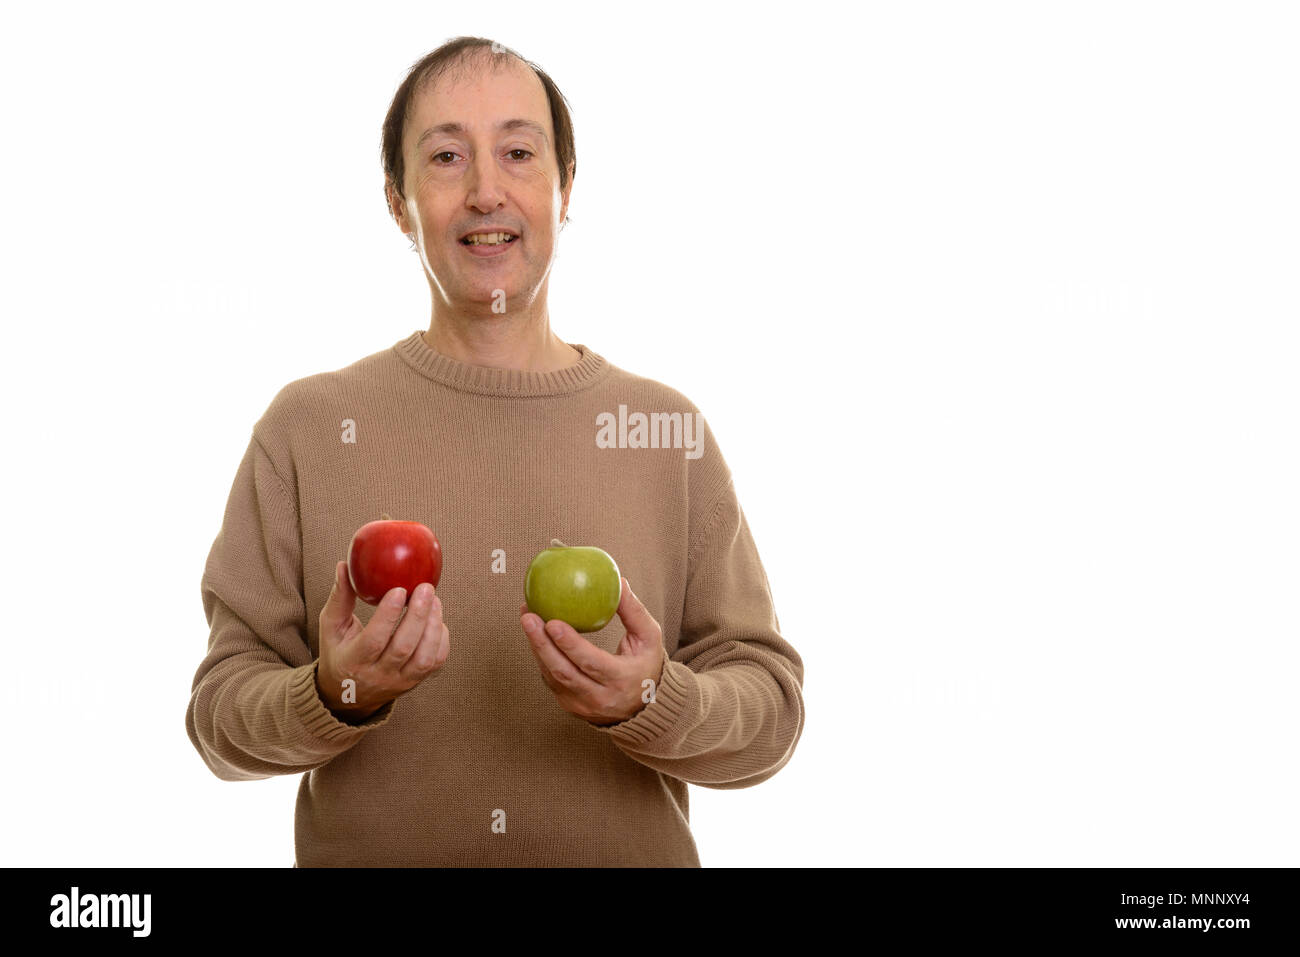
478 138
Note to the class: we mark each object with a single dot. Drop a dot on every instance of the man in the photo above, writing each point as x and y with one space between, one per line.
459 729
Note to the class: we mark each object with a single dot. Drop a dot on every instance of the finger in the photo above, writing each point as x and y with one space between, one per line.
443 648
556 664
407 636
426 655
641 627
336 615
560 690
374 639
596 663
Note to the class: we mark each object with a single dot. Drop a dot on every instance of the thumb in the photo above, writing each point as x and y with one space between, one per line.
337 613
640 624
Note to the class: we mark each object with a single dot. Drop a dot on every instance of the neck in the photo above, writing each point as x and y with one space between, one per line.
501 342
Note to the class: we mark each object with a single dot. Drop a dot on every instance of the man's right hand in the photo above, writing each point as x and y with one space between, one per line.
384 659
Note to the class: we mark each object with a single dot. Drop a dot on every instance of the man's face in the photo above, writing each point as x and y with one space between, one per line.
482 177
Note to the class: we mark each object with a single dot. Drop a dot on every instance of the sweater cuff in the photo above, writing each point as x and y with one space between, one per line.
317 719
661 717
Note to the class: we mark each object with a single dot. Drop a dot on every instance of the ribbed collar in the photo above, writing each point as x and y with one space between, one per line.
485 380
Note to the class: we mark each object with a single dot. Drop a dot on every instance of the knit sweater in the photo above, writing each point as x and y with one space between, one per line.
478 765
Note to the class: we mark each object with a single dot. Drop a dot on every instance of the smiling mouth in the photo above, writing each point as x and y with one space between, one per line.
502 242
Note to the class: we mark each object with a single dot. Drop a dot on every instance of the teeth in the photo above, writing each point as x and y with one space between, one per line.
487 239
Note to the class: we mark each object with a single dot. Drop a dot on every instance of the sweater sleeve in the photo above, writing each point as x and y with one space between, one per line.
254 711
728 710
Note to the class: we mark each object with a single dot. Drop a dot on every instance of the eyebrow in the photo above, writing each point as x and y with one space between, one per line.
506 126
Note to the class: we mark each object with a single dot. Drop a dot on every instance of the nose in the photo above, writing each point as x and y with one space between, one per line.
484 188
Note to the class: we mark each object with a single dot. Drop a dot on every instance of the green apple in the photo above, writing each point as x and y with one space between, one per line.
576 584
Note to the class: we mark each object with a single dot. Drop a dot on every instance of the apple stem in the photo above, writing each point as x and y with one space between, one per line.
384 517
556 543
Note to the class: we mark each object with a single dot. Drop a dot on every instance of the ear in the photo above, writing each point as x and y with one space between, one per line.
564 198
396 208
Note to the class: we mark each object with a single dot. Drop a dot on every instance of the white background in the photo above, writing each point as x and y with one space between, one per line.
992 308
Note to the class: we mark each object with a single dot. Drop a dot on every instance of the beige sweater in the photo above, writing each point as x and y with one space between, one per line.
479 765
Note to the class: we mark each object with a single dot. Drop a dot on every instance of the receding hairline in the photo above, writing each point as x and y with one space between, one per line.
465 65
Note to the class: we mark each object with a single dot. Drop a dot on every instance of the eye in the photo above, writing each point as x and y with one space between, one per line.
450 153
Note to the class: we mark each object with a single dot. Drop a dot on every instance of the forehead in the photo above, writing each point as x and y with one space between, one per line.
478 96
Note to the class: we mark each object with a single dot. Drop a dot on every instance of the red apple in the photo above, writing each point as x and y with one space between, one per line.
390 554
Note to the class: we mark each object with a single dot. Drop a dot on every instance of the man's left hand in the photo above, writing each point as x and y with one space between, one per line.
601 688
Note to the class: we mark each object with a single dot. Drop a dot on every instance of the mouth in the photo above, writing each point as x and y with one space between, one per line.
502 237
488 246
